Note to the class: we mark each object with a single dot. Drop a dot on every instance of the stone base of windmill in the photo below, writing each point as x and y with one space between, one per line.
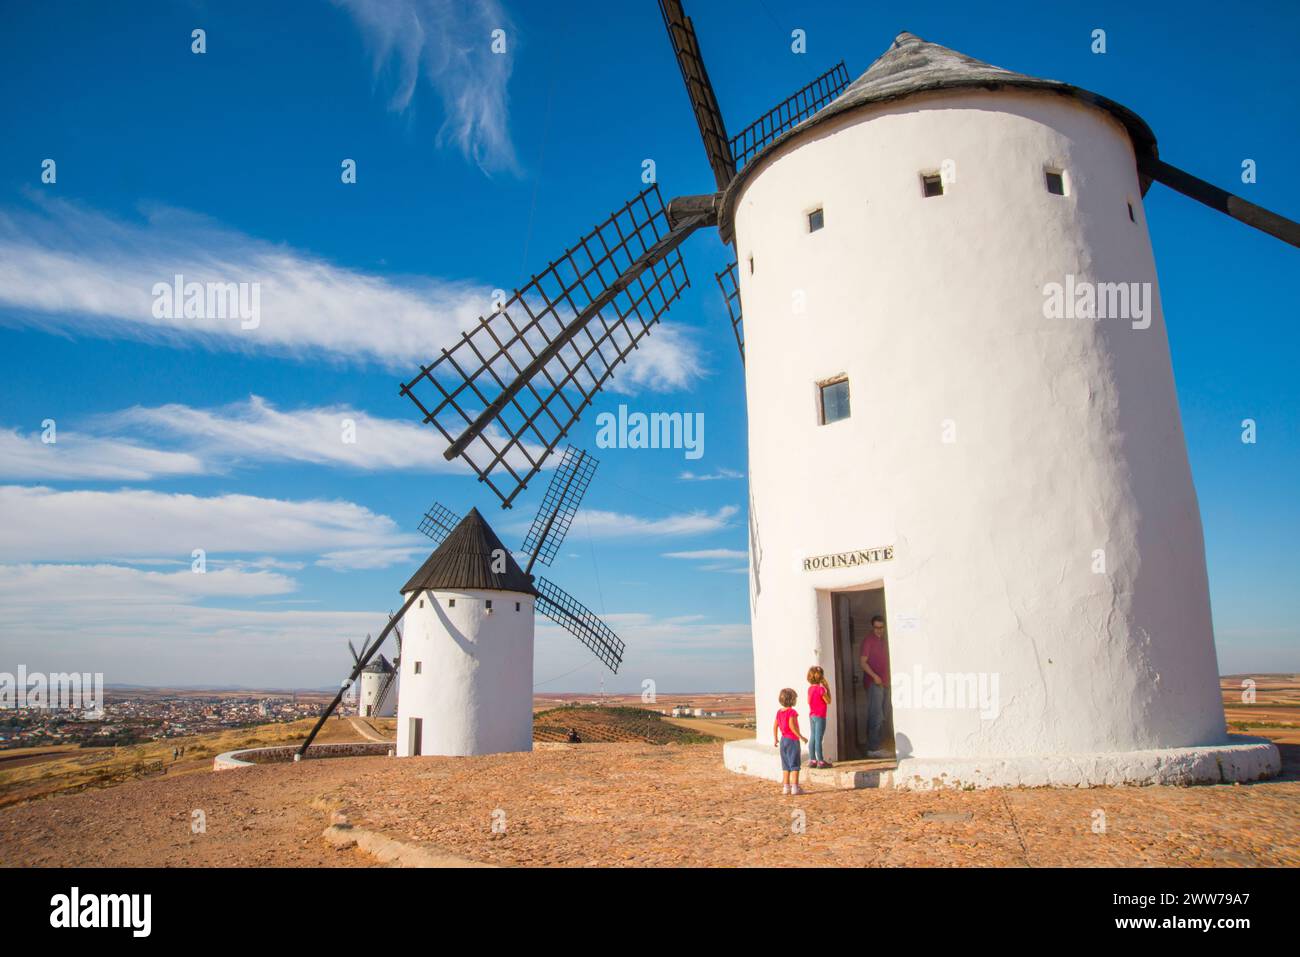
1241 759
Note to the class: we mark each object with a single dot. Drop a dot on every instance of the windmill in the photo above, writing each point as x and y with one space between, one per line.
377 690
925 289
470 557
509 390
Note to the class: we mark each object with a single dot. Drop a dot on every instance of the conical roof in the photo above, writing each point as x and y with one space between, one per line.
911 66
380 665
466 559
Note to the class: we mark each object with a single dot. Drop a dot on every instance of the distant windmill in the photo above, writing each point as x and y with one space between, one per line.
377 689
445 656
899 234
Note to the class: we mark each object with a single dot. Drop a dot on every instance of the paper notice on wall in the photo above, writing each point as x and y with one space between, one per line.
909 623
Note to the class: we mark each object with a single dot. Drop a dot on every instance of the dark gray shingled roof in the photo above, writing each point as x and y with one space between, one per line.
912 65
380 665
464 560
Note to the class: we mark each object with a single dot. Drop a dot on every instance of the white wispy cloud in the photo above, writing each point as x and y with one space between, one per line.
715 476
448 43
66 267
42 524
604 524
710 554
153 627
81 456
255 430
33 585
70 269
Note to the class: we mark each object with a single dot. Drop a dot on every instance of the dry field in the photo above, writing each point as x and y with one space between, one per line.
636 804
29 773
628 804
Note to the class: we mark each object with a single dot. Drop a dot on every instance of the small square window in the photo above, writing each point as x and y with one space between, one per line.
516 606
451 603
816 220
419 667
834 400
421 602
931 184
1055 182
751 265
489 604
1131 217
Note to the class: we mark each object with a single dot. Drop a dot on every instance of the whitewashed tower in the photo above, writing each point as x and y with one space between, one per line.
467 649
1028 474
377 690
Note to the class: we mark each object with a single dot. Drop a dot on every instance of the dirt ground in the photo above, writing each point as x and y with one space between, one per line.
632 804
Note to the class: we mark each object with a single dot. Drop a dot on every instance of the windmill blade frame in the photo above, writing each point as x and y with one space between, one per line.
729 282
704 102
1220 199
560 504
580 621
356 672
508 391
788 114
437 522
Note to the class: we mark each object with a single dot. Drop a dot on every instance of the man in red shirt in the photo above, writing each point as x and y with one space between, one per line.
874 659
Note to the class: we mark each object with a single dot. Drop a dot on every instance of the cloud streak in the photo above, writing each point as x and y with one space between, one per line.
448 43
42 524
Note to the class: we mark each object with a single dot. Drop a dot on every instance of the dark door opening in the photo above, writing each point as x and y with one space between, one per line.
416 736
851 612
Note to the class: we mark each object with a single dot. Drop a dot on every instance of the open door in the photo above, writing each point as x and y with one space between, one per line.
416 736
852 612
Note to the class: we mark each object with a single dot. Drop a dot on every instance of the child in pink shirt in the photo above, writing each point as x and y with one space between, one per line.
787 727
819 696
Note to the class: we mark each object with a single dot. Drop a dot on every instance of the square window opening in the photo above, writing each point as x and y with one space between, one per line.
419 667
816 220
834 400
931 185
1131 217
451 603
1055 181
751 265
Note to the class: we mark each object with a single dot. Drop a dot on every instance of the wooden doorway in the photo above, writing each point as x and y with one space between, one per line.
851 612
416 736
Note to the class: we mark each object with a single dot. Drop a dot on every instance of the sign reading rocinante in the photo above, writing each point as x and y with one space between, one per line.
864 556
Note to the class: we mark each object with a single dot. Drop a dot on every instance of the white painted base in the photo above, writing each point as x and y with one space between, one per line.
1241 759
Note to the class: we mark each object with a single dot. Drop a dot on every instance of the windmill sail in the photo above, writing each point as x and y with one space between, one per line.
704 104
555 514
573 616
1198 189
729 283
438 522
509 390
789 113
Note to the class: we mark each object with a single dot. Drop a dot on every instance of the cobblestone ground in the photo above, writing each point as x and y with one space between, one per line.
628 804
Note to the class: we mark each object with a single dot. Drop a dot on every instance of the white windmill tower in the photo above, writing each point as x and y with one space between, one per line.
378 686
1010 491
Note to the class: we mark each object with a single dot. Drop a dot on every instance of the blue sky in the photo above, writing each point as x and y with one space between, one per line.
473 170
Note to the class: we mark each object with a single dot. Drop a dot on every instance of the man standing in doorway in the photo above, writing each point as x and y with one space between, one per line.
874 659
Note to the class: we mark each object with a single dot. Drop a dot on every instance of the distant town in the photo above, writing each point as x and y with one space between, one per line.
132 717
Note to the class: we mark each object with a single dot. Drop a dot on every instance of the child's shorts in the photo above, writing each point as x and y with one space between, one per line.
789 754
